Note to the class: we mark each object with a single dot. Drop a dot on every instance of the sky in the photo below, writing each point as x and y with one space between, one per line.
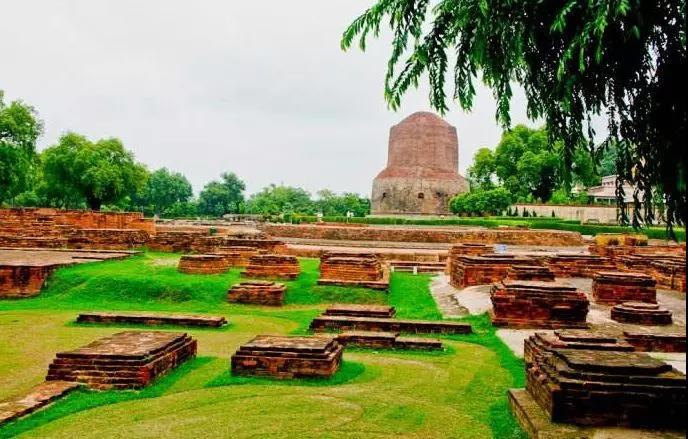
203 87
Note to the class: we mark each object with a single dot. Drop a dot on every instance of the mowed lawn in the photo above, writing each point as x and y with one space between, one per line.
459 393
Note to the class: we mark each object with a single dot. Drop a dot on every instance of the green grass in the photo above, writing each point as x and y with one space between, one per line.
378 393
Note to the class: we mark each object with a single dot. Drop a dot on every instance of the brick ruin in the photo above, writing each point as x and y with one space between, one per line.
465 249
238 256
666 340
615 287
339 323
425 234
590 379
353 310
151 319
37 398
126 360
387 340
538 304
641 313
670 274
484 269
577 265
55 228
288 357
205 240
257 293
530 272
273 266
202 264
24 280
353 269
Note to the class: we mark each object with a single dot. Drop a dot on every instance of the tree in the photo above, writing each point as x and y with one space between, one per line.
19 130
575 60
221 197
482 202
481 174
273 200
101 173
331 204
164 188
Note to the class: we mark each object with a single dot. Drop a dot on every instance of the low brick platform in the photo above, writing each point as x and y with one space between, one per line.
376 311
541 342
641 313
530 272
347 323
656 341
577 265
614 287
387 340
202 264
238 256
124 360
277 266
484 269
288 357
257 293
349 269
670 274
537 304
151 319
38 397
593 387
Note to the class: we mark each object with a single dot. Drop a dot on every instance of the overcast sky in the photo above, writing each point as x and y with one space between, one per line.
258 88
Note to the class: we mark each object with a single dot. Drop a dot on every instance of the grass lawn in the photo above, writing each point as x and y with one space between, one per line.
459 393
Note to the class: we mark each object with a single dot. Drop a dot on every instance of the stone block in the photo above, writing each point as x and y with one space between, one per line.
151 319
339 323
288 357
257 293
537 304
484 269
273 266
614 287
126 360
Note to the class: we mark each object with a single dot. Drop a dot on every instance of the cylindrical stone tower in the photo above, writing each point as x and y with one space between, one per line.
422 168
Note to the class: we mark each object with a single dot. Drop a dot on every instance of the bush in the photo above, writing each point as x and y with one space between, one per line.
484 202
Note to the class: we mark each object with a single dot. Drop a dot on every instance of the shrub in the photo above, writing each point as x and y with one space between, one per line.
484 202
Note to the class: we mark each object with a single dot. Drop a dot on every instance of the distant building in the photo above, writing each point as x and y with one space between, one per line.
422 168
605 193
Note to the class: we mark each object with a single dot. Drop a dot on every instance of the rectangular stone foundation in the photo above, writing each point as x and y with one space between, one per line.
641 313
577 265
597 388
273 266
387 340
38 397
656 341
536 304
126 360
614 287
376 311
530 272
151 319
348 323
258 293
484 269
288 357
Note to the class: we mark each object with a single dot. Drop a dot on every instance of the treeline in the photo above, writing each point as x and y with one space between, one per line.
78 172
524 168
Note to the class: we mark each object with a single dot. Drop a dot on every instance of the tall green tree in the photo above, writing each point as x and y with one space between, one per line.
332 204
481 173
164 188
221 197
19 130
103 172
574 59
273 200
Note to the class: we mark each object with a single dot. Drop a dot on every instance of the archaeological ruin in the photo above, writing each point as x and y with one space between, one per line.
257 292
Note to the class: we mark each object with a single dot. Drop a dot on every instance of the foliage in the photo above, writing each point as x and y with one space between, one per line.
482 202
481 173
274 200
573 59
19 130
165 189
331 204
221 197
103 172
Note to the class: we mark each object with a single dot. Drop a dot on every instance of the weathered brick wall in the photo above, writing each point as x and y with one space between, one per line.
427 234
17 281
